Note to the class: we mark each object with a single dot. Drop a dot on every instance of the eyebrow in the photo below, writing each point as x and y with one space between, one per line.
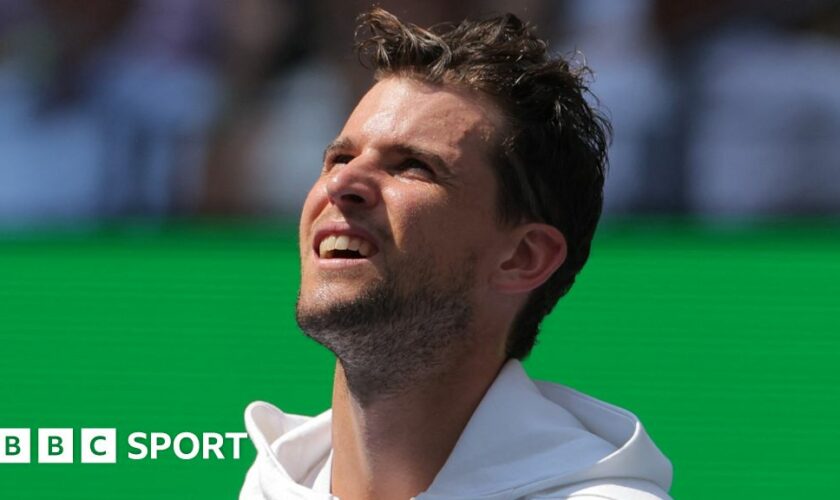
341 143
344 143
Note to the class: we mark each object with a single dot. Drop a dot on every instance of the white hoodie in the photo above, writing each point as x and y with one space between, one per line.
526 440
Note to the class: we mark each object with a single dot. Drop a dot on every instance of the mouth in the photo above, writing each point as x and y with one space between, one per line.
343 244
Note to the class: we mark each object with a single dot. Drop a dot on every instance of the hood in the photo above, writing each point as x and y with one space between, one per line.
530 437
291 451
524 438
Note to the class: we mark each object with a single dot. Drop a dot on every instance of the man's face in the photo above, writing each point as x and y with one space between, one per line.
406 203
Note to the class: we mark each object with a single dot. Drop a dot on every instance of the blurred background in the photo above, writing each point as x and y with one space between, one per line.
154 156
158 108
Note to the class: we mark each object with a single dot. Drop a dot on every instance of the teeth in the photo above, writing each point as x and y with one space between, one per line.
327 245
341 242
344 242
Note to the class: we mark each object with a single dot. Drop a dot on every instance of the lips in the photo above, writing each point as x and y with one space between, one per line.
343 242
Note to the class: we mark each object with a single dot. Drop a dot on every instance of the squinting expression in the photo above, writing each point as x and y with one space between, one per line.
406 190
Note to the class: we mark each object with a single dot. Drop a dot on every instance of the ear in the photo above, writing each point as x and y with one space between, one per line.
539 249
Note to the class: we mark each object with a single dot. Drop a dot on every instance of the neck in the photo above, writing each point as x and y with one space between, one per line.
393 447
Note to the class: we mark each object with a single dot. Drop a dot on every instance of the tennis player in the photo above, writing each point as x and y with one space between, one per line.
454 209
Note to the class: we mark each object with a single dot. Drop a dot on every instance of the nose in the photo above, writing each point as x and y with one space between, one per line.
352 186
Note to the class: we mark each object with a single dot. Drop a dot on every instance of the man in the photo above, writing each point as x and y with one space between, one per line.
454 209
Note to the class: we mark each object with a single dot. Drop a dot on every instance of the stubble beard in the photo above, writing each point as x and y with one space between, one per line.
388 338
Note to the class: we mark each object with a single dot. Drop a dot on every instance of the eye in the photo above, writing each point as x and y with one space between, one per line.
416 166
336 159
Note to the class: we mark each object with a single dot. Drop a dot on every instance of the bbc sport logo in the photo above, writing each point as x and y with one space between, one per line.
99 446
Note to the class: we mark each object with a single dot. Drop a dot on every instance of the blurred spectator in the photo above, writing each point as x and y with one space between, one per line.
158 107
767 129
103 109
284 102
617 41
291 98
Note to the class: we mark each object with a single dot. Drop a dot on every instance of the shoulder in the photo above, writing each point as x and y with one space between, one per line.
617 489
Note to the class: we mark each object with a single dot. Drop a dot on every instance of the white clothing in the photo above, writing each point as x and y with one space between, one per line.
526 440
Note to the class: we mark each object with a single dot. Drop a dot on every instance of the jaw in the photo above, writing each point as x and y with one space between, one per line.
388 338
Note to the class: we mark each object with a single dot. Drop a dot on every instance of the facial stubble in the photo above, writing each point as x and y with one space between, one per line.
395 333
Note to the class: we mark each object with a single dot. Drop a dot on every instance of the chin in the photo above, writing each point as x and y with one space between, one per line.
326 297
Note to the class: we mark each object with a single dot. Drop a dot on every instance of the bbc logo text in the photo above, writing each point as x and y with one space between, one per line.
99 445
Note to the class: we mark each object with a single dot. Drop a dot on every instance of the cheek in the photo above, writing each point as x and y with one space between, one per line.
466 231
412 214
317 196
436 226
312 206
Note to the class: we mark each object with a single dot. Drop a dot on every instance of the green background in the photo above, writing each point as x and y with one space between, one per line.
724 342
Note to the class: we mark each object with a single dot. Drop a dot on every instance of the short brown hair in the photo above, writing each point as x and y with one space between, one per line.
552 156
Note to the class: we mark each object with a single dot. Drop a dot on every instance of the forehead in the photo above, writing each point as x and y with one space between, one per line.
452 122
